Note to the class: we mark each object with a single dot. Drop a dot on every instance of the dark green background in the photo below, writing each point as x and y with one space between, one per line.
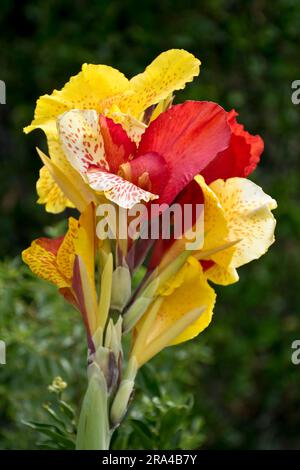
246 390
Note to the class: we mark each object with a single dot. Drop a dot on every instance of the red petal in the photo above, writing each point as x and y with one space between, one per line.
189 136
118 146
241 157
50 244
192 194
207 264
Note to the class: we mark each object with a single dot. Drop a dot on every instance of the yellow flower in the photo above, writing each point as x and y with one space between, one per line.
109 92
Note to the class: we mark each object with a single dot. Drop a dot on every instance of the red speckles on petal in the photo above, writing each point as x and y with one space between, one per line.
85 146
117 144
116 189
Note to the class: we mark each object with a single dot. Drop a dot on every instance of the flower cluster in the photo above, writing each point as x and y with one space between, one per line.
123 142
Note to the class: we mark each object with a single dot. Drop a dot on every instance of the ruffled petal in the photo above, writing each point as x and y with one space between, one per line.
119 148
42 264
240 158
222 275
117 189
189 136
214 226
81 140
65 254
53 260
89 89
170 71
134 127
250 220
215 223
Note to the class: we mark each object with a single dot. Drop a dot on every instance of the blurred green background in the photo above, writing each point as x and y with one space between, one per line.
246 391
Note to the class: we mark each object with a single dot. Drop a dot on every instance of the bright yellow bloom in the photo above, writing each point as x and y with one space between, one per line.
109 92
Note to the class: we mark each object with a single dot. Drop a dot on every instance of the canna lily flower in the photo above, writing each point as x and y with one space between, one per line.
119 140
133 103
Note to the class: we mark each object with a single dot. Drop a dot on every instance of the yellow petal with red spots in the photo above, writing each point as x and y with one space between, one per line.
170 71
85 243
66 252
70 183
133 127
222 275
50 194
43 264
52 260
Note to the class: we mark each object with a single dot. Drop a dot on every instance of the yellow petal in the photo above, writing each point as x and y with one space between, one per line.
187 291
133 127
43 260
170 71
66 252
222 275
249 217
91 88
70 183
85 241
215 223
85 246
89 140
87 90
50 194
43 264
